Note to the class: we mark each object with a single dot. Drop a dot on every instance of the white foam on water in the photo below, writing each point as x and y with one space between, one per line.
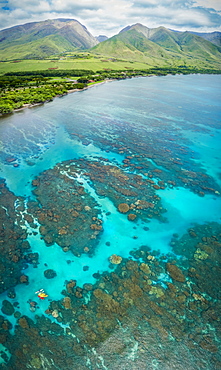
64 148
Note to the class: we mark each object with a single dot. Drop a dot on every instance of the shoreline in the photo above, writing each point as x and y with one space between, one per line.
30 105
25 106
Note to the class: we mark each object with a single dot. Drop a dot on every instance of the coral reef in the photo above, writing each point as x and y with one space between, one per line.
133 299
116 260
169 160
147 311
123 207
175 273
50 274
65 210
129 192
14 247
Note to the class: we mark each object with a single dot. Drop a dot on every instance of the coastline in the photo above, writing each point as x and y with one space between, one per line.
25 106
31 105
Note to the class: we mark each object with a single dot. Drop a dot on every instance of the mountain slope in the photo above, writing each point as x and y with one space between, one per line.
184 43
133 46
41 39
152 46
101 38
198 46
161 45
214 37
49 45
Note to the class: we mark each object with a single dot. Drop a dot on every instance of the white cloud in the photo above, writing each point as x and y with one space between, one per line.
70 6
36 7
110 16
174 16
212 4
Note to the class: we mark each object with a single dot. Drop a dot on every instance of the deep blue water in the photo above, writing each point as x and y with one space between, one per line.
179 115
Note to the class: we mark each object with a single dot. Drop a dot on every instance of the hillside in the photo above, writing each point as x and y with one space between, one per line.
133 46
214 37
184 43
101 38
161 46
42 39
137 43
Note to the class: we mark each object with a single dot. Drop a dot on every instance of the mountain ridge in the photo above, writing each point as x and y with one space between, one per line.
153 46
70 32
214 37
170 46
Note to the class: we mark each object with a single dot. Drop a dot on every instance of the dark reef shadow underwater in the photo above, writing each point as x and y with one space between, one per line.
110 203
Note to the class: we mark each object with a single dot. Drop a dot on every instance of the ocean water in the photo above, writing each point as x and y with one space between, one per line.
152 143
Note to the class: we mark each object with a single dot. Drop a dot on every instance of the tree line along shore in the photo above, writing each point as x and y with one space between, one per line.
19 89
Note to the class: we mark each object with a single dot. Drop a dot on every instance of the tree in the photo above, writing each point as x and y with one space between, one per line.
5 108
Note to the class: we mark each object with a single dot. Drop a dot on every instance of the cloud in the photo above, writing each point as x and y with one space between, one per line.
211 4
166 3
110 16
178 14
70 6
194 17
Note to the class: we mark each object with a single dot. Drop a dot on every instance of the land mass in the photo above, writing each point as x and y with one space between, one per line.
42 60
154 46
161 46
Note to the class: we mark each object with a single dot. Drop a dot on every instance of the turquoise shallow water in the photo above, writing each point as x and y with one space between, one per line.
144 119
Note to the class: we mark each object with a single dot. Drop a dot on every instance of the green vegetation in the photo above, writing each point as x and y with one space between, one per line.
12 99
71 61
42 60
31 78
161 47
134 46
17 89
43 39
38 49
52 73
66 44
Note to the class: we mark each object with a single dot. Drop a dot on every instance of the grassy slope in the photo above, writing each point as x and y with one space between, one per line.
139 46
185 43
21 36
198 47
91 64
167 39
130 49
134 46
160 48
54 44
164 48
41 39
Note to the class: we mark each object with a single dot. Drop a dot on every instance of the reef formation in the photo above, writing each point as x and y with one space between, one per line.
148 310
154 299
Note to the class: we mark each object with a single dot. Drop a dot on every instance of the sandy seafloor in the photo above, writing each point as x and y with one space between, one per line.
129 168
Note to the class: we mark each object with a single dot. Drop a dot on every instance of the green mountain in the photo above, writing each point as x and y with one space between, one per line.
184 42
41 39
137 43
161 46
132 45
214 37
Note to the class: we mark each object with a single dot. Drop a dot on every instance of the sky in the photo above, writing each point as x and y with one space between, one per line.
108 17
